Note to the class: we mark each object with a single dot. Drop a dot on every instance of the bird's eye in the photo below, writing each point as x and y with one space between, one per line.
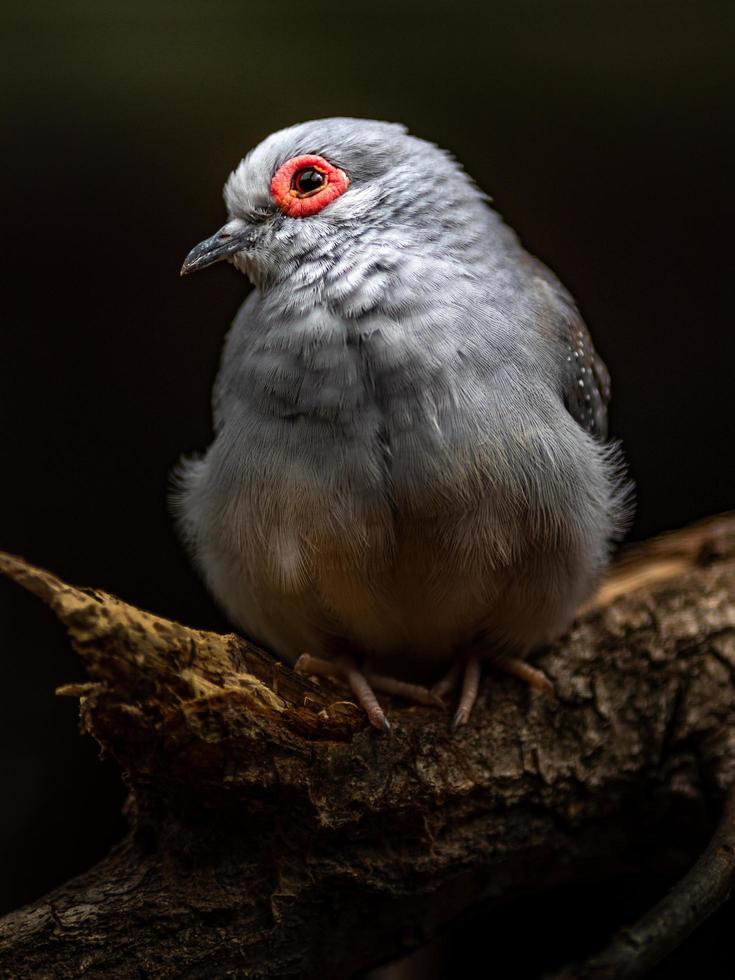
303 185
307 181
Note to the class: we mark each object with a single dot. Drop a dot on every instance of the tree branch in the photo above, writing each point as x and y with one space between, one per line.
635 950
268 820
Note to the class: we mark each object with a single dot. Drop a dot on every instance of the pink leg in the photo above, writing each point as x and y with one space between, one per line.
364 685
364 694
448 682
403 689
468 695
534 677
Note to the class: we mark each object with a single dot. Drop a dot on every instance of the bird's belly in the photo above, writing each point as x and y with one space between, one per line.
326 546
400 587
419 601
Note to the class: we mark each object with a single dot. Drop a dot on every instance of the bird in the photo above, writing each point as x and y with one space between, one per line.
410 474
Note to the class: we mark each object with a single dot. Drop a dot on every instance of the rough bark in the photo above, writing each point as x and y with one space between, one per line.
274 833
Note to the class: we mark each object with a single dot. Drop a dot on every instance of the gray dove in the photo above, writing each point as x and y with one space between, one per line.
409 474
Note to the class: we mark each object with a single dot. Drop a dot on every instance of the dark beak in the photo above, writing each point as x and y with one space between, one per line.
222 244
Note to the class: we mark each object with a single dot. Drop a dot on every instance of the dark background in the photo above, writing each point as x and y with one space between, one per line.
604 132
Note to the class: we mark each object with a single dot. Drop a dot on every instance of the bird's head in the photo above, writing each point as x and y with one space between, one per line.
336 197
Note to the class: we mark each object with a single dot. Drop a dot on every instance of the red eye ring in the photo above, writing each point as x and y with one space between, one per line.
301 203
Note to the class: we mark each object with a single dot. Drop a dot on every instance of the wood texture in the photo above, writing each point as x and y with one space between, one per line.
274 833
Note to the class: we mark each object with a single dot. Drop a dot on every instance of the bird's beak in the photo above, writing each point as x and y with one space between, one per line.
225 242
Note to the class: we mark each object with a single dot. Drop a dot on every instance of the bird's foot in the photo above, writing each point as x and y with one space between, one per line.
470 673
364 684
468 692
532 676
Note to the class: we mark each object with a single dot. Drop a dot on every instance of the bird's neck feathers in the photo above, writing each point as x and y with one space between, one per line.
379 269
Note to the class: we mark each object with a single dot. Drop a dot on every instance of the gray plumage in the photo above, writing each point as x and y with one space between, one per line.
409 418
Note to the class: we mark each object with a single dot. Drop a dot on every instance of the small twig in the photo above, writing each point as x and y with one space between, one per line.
640 947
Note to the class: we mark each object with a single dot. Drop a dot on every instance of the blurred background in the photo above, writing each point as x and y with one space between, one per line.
605 133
